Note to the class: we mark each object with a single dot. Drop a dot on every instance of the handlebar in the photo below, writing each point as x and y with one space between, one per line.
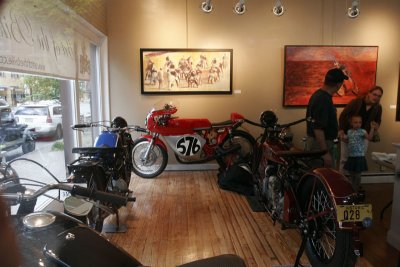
75 191
109 128
78 126
277 126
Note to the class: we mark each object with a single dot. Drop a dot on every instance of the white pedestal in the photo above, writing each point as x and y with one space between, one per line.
393 235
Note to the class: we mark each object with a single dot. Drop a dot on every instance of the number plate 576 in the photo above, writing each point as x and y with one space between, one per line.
354 213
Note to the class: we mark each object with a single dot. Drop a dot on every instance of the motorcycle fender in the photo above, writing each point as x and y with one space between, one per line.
158 141
337 183
338 188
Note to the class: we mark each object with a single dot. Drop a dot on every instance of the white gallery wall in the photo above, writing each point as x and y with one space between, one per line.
257 39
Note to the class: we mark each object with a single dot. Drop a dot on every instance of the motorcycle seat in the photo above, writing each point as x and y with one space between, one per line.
301 153
221 124
94 150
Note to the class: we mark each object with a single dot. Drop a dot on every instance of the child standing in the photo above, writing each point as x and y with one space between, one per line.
356 162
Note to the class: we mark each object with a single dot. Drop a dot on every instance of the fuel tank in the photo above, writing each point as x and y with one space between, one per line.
55 239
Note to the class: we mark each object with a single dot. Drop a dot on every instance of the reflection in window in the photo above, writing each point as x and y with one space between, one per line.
85 116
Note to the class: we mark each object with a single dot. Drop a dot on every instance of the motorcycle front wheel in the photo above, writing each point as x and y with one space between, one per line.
244 154
327 245
155 162
97 181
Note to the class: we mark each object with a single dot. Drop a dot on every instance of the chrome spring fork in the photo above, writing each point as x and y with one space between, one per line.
150 147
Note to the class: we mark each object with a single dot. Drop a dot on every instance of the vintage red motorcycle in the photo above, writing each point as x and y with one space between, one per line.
319 202
192 141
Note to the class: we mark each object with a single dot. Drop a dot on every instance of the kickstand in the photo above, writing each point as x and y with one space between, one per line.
301 251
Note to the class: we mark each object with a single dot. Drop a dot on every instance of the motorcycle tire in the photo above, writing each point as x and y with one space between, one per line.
158 159
244 155
96 216
327 245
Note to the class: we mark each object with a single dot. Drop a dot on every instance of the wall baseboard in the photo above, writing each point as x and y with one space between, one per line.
368 178
192 167
377 178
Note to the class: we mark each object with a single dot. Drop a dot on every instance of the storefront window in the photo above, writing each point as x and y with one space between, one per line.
48 81
85 116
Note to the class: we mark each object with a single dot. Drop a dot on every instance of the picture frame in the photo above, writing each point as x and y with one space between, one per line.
306 66
398 100
186 71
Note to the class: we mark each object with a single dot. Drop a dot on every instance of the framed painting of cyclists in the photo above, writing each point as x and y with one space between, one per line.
186 71
306 66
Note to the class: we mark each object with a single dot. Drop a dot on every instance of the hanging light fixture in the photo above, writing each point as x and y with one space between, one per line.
278 8
354 11
240 7
206 6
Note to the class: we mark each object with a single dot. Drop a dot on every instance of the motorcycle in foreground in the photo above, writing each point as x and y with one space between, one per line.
319 202
192 141
106 166
55 239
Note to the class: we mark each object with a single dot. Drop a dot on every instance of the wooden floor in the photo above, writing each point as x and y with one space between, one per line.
183 216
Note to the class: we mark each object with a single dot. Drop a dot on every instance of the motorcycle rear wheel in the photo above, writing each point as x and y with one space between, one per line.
327 245
244 154
156 162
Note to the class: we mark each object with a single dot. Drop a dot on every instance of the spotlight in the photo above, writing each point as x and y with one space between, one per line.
278 9
206 6
354 11
240 7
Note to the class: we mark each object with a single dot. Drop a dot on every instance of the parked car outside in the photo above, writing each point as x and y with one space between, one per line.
14 135
44 116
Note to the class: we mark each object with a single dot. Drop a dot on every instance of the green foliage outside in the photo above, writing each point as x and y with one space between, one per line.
58 146
41 88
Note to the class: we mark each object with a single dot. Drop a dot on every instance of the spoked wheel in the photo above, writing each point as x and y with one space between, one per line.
327 245
244 154
155 162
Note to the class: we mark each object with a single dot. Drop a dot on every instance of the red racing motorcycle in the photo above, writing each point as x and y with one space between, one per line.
193 141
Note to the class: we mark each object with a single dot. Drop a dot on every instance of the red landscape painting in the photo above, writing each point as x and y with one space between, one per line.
306 66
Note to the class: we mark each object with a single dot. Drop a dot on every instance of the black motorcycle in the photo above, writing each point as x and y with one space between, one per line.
14 135
106 166
53 238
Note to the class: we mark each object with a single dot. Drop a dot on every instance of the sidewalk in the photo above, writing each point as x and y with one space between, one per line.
54 161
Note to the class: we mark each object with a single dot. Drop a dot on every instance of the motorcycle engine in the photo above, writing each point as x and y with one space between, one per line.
120 185
273 191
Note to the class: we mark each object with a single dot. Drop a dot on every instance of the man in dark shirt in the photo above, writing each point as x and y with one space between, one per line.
324 129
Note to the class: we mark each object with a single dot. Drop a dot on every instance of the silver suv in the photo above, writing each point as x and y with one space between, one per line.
44 116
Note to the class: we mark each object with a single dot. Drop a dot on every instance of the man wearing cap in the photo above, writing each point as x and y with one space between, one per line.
324 129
